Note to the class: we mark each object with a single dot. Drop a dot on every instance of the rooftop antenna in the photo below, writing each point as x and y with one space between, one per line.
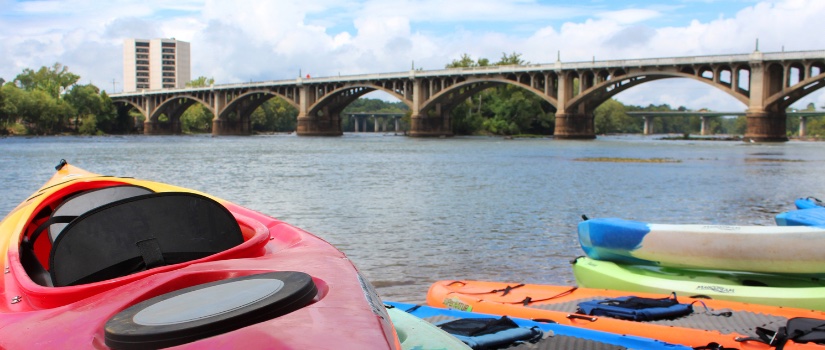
558 56
113 85
757 45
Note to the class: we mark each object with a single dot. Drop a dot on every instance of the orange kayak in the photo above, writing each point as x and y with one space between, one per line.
726 323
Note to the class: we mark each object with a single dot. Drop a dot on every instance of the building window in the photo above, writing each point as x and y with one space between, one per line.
169 57
143 56
167 44
142 74
142 43
142 50
168 86
168 80
142 86
142 62
143 80
168 50
168 74
168 68
169 62
141 68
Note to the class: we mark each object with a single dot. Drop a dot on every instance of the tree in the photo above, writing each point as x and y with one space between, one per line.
8 108
275 115
53 80
513 59
201 81
197 118
87 104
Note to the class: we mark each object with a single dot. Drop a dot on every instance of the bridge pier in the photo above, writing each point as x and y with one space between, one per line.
766 126
430 126
704 128
158 128
319 126
226 127
577 126
648 129
803 128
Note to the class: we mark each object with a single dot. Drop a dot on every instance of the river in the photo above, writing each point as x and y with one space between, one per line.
412 211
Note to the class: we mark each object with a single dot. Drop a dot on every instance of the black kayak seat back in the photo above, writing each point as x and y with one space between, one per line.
88 200
138 233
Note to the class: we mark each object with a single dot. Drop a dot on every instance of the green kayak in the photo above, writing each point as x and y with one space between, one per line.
797 291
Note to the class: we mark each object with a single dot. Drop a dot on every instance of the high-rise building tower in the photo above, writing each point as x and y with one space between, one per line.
155 64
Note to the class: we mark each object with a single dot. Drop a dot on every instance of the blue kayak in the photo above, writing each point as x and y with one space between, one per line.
808 203
554 336
814 216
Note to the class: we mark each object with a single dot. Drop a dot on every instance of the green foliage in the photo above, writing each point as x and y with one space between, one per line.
201 81
500 110
276 115
48 101
53 80
88 126
196 119
610 117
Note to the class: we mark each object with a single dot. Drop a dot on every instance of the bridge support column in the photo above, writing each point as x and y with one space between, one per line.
766 126
704 128
319 126
158 128
226 127
648 129
803 128
574 126
430 126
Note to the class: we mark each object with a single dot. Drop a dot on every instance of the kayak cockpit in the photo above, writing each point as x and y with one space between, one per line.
104 233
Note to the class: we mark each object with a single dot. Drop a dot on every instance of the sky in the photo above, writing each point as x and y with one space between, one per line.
260 40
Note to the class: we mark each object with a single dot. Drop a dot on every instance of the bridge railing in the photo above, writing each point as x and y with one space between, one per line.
557 66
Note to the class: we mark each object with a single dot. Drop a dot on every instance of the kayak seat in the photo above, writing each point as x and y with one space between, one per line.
67 211
139 233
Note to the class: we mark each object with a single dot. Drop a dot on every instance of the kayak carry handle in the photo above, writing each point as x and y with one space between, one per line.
61 164
582 317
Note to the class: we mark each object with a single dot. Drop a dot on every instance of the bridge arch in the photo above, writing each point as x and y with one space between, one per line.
323 103
253 99
785 98
340 97
434 115
603 91
173 108
462 90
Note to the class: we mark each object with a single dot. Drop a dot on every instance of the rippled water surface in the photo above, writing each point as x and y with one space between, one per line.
410 211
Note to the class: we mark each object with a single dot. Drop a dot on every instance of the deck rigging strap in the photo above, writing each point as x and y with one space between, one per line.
63 219
798 329
527 300
506 290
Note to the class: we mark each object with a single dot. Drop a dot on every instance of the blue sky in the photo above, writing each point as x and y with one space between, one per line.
256 40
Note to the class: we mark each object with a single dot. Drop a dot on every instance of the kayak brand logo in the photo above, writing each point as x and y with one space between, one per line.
716 289
453 303
722 227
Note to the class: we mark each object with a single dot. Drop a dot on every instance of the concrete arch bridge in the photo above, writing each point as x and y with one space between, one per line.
765 83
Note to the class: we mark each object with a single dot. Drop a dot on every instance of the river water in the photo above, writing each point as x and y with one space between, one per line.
409 212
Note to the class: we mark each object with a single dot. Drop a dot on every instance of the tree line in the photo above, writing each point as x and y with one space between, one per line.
51 101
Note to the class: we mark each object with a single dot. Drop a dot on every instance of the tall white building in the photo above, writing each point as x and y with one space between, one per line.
155 64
